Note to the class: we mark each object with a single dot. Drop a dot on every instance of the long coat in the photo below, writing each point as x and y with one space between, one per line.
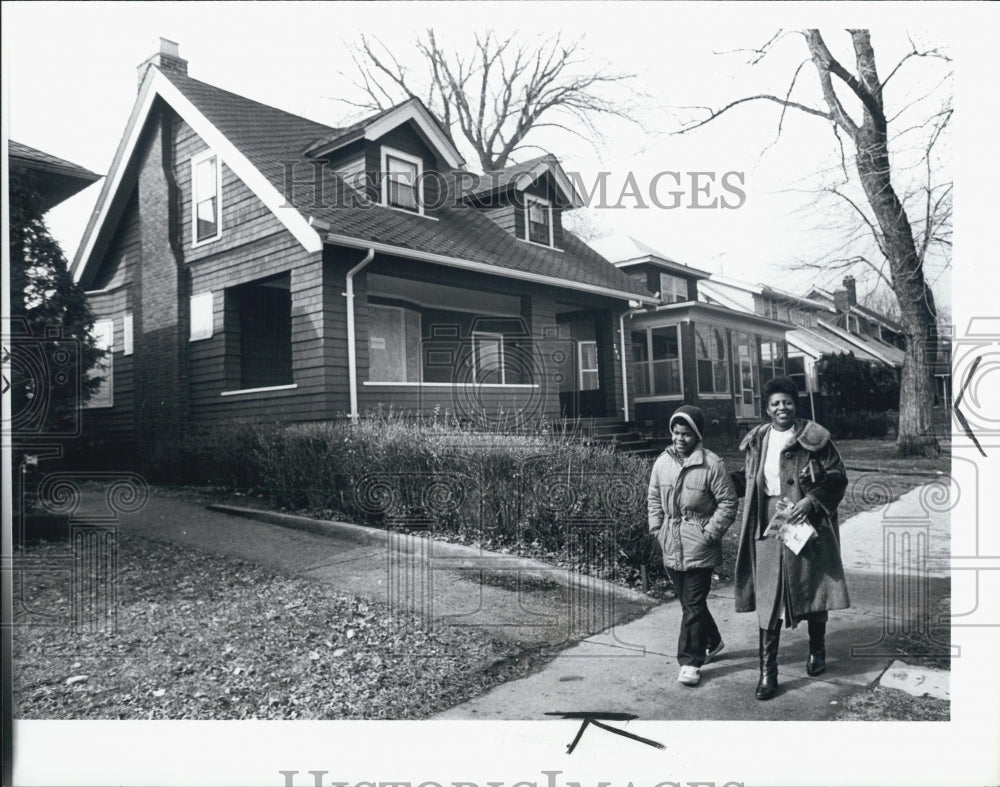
815 577
691 503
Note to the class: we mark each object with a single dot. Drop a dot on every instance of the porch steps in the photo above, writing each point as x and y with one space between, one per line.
621 435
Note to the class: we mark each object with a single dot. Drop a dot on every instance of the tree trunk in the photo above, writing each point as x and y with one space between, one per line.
916 302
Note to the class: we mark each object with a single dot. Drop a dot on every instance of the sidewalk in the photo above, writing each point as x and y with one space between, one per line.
614 648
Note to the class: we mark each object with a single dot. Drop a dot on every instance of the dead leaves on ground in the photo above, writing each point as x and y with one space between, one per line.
206 637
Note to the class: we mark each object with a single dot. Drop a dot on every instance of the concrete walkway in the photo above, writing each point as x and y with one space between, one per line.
632 668
614 647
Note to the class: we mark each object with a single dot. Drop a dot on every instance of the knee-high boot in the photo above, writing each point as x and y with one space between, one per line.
817 648
767 687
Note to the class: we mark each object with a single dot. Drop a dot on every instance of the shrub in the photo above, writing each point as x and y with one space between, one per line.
518 488
858 425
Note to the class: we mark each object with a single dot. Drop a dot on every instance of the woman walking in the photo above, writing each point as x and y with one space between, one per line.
793 470
692 502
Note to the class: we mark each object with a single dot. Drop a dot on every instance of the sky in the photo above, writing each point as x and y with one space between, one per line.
70 83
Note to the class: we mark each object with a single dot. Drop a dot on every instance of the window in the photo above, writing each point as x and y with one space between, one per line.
487 357
127 334
393 345
589 380
673 289
201 316
206 194
656 361
104 338
797 371
401 187
710 351
745 373
259 333
772 360
538 221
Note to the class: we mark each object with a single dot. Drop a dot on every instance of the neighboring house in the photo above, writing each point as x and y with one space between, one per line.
861 321
816 328
688 351
55 179
254 264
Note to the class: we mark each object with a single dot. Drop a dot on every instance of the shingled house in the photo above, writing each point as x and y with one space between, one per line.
684 350
251 263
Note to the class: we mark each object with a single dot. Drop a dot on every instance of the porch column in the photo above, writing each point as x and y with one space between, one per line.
539 313
609 367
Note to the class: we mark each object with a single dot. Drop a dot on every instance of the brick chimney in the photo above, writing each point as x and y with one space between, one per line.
852 293
168 59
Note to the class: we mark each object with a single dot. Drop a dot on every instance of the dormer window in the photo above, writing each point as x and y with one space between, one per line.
401 181
538 221
673 289
206 198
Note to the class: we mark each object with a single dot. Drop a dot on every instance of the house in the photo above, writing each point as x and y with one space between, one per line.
816 328
254 264
55 179
859 320
685 350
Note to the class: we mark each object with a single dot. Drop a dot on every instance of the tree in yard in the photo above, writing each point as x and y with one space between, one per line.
495 94
52 347
853 103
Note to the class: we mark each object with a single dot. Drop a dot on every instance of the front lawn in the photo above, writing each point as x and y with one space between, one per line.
206 637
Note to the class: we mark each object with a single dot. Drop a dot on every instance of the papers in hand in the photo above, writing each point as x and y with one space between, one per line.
794 536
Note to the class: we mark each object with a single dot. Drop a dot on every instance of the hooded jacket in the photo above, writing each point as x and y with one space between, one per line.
691 502
810 466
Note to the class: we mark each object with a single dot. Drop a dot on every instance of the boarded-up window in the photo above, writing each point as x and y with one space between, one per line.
393 344
202 317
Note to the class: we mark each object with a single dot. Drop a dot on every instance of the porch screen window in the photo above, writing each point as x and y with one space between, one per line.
393 345
656 361
487 358
673 289
797 371
205 197
588 366
710 346
539 222
772 360
401 176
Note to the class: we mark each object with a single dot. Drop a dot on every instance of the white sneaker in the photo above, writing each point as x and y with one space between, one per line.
711 653
689 676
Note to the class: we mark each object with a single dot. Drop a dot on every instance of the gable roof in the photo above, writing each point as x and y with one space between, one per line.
626 251
258 142
55 179
520 176
374 126
882 351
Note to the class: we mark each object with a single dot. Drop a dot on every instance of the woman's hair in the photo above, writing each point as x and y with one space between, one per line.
785 385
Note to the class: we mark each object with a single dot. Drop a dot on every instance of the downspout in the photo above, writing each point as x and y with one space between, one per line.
352 369
621 337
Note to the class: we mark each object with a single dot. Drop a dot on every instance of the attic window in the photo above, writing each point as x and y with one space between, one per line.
206 193
538 221
673 289
401 180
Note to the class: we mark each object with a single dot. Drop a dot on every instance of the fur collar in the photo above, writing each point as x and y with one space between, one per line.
809 434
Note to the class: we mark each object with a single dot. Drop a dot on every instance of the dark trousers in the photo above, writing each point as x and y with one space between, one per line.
698 629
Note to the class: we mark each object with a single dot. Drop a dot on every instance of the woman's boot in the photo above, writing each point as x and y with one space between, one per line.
816 664
767 687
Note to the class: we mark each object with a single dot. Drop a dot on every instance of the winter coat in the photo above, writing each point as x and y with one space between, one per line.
814 577
692 503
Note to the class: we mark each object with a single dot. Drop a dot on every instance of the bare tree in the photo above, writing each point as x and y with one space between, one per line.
853 104
494 94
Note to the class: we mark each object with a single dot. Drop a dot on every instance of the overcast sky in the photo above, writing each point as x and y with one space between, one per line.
71 82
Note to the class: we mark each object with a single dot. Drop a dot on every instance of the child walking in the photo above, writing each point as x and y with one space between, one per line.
692 502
